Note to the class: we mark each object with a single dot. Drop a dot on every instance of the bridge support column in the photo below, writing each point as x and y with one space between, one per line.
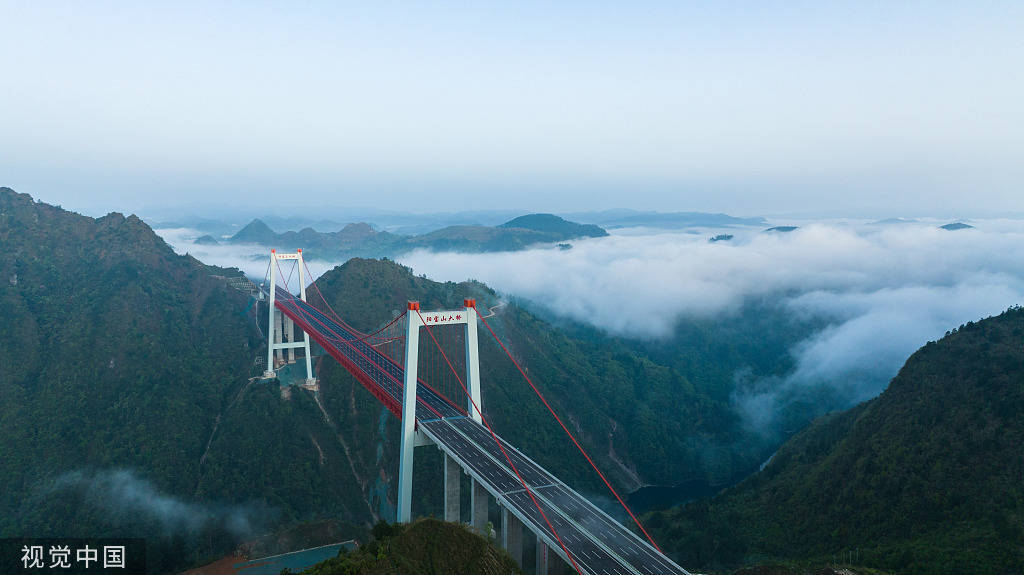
305 336
289 330
452 492
512 535
269 371
541 566
556 566
473 363
548 562
281 326
412 347
478 506
278 333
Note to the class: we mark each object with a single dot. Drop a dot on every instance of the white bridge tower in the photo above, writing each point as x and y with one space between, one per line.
412 438
281 328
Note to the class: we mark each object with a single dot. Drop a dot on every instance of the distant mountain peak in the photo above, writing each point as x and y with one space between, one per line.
255 231
532 220
555 224
889 221
362 239
257 224
357 228
952 227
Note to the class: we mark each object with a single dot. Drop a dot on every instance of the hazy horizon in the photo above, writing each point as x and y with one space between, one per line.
240 215
870 110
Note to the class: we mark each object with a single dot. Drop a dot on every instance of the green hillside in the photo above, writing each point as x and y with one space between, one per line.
124 397
127 406
642 419
926 478
424 547
553 224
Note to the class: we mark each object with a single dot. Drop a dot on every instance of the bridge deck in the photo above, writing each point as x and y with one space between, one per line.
598 544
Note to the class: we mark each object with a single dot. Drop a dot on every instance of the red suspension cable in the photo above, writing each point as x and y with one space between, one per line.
266 275
571 436
333 313
287 282
349 341
502 448
298 311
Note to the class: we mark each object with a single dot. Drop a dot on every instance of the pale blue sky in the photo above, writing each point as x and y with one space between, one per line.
742 107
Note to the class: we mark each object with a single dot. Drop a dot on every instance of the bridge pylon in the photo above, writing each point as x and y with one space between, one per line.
281 328
590 539
412 438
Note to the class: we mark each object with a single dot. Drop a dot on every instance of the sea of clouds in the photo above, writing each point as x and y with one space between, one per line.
250 258
884 290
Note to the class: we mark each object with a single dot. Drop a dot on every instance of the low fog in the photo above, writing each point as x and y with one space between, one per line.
883 290
251 259
639 285
124 496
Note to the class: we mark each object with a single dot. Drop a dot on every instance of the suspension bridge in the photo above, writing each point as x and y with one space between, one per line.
436 396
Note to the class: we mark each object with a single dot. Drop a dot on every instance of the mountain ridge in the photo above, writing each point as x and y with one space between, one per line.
360 239
124 399
926 478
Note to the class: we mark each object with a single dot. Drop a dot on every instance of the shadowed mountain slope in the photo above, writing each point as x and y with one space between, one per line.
926 478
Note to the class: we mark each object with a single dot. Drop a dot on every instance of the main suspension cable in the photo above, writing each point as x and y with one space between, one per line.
569 433
508 458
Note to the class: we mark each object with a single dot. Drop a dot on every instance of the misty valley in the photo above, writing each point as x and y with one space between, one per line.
512 288
750 399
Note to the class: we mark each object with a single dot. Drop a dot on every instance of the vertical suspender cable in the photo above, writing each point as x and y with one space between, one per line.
503 452
571 436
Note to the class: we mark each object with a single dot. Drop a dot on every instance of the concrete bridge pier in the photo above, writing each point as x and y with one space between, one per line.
289 327
278 330
452 491
478 507
548 562
542 558
512 535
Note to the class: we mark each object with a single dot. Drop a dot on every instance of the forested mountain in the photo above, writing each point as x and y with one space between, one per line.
352 240
926 478
127 407
650 413
553 224
424 547
124 402
361 240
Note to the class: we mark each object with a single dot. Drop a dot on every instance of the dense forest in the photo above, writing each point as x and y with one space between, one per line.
647 415
423 547
927 478
129 406
125 399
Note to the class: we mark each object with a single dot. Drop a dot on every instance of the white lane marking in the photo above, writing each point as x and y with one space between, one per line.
600 544
662 562
473 471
